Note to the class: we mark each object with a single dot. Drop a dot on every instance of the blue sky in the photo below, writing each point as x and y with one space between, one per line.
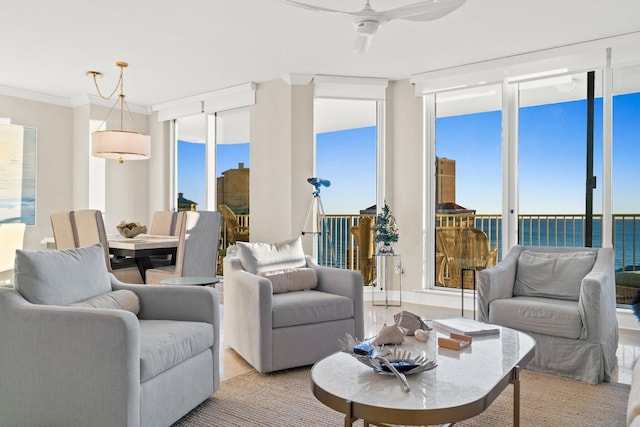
552 156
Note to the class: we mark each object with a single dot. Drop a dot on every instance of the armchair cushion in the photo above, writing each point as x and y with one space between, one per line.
309 307
291 279
259 257
61 277
167 343
552 275
122 299
559 318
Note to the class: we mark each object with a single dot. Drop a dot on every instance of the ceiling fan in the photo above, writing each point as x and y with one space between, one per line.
367 21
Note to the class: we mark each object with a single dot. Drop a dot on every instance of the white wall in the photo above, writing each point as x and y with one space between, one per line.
54 176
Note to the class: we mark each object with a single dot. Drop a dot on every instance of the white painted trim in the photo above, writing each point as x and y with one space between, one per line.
429 185
297 79
607 154
210 170
232 97
341 87
185 110
575 58
34 96
228 98
510 200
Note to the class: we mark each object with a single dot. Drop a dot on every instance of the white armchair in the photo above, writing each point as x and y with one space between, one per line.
80 348
274 324
565 299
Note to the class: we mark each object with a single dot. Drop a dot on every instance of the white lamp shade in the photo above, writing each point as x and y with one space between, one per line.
120 145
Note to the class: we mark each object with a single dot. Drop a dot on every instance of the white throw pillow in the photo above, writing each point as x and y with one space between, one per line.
291 279
552 275
259 257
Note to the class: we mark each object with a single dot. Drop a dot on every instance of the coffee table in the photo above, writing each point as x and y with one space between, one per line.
463 384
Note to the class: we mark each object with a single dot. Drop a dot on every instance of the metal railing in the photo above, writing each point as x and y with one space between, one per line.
560 230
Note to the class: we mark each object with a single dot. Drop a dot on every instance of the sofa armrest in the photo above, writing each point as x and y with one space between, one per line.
248 314
165 302
597 303
346 283
497 282
92 355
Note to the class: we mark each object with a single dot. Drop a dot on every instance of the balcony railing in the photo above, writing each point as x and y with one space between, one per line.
337 247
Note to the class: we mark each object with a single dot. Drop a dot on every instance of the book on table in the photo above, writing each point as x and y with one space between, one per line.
470 327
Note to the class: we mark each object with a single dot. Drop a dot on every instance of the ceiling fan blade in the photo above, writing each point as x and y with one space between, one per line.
361 43
317 8
422 11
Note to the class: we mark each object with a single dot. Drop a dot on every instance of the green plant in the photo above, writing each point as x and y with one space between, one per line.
385 227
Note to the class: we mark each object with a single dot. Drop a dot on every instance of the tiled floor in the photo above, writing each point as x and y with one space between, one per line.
375 317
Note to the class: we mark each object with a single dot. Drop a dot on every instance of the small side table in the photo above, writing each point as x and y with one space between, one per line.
191 281
389 278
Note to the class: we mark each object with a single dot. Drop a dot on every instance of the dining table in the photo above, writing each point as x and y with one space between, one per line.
142 247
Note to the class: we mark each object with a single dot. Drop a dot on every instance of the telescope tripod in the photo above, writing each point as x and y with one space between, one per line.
321 228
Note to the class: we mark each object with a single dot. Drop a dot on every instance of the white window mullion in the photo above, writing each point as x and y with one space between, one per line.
510 209
429 193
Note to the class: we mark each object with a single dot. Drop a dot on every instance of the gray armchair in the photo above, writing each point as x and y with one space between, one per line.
69 358
274 329
565 299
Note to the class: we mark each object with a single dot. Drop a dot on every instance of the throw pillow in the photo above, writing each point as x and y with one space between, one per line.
291 279
552 275
61 277
258 257
122 299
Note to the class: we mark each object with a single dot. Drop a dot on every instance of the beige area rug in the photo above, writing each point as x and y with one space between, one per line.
285 399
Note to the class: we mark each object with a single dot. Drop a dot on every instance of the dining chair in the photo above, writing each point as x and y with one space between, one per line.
197 253
89 230
163 223
235 231
63 230
11 239
364 237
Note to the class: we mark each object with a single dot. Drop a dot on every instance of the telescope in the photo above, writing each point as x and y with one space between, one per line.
317 183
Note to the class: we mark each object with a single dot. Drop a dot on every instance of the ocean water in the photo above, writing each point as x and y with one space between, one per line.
334 244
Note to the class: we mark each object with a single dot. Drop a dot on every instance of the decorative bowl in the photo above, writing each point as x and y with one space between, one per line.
130 229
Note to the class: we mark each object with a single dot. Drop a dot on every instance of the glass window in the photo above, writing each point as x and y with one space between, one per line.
552 162
468 175
345 156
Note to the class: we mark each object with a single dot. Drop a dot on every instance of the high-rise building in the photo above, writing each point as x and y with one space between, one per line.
445 180
233 189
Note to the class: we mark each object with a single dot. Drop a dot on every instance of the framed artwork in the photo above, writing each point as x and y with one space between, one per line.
17 174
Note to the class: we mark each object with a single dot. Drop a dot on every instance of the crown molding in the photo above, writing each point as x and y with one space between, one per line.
297 79
34 96
134 108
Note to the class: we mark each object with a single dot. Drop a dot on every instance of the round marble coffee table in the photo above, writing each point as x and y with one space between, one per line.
463 384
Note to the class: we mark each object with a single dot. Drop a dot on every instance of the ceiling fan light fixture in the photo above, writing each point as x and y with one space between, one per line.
368 28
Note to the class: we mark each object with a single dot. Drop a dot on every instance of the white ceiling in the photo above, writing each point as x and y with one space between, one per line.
179 49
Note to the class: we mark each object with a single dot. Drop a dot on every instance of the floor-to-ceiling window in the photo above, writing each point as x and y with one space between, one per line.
191 136
625 203
468 171
346 140
552 162
232 175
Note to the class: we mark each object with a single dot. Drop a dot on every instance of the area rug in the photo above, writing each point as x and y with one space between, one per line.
285 399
